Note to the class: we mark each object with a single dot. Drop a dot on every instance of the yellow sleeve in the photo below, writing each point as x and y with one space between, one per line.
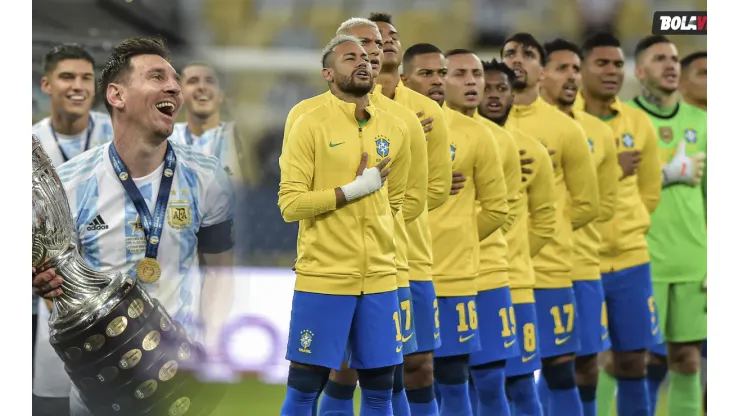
398 177
512 170
490 186
608 173
580 177
416 187
649 173
295 198
541 200
293 115
440 163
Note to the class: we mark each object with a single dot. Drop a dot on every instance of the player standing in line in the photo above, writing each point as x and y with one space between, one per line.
575 181
346 244
474 155
526 237
677 239
693 81
418 376
72 128
119 182
204 129
464 92
562 79
340 389
624 258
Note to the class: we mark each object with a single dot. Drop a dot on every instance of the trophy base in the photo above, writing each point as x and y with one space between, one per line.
136 360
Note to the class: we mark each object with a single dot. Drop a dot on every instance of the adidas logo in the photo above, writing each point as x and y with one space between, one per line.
97 224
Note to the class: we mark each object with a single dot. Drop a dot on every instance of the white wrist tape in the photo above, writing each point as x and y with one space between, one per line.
364 184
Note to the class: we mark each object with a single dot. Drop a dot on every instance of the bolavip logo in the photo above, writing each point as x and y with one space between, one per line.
680 23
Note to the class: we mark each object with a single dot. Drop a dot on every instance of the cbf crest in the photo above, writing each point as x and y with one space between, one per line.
690 136
591 144
453 149
306 340
628 141
179 214
382 147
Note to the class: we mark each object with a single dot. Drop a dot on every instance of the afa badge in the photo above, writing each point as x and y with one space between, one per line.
591 145
628 141
179 214
453 148
306 340
382 146
690 136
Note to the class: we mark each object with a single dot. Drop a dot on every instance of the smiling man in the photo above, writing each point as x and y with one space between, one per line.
69 80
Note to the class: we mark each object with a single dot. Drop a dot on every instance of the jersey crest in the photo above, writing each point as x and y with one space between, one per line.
382 146
591 144
179 214
628 141
666 134
690 136
453 148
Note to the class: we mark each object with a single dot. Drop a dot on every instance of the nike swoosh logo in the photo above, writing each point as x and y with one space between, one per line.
509 344
463 339
655 331
561 341
335 144
604 336
399 349
405 339
436 335
528 358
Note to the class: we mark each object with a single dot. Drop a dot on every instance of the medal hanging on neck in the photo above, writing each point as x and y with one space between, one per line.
148 270
90 127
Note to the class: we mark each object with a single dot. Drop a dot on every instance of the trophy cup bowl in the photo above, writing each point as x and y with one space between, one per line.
121 349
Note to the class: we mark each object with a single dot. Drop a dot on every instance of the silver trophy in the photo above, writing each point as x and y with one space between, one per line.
121 349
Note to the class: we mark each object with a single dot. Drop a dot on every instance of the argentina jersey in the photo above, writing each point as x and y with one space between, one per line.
110 235
220 141
62 147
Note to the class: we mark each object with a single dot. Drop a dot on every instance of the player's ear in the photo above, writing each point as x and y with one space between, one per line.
639 73
404 78
328 74
115 95
45 85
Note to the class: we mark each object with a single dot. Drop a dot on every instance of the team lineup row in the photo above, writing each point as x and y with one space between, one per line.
505 217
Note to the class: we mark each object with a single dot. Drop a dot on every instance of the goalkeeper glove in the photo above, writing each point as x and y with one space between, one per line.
684 169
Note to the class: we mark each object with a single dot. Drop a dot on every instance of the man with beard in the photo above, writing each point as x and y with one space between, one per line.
577 191
562 78
340 389
475 210
346 287
677 239
464 92
418 377
623 256
533 228
204 129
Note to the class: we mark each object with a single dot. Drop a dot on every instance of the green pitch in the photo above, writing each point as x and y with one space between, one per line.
252 398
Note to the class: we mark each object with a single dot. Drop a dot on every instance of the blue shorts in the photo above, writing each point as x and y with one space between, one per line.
408 333
526 333
592 318
630 306
557 320
458 330
497 327
426 316
660 349
324 327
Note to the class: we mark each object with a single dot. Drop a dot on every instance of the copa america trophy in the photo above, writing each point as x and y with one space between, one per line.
121 349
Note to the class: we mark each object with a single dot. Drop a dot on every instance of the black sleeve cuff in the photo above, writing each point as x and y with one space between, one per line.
217 238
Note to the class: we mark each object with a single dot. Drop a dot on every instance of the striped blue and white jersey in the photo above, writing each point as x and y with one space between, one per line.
110 235
102 133
220 141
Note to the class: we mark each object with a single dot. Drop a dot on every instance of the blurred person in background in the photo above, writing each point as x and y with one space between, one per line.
598 15
577 191
560 84
108 184
677 238
693 82
205 130
624 257
533 228
346 288
418 376
71 129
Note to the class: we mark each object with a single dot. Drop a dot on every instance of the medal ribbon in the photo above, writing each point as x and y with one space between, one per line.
90 127
152 225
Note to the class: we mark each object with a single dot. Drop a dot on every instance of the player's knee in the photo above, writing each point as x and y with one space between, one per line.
655 359
587 370
376 378
418 370
451 370
629 364
685 358
307 378
561 376
345 376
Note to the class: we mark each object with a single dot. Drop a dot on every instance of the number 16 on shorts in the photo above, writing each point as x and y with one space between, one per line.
458 326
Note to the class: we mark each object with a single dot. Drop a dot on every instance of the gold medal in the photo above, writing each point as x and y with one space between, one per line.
149 270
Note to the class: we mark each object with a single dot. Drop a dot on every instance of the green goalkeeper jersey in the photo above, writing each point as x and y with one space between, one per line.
677 239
